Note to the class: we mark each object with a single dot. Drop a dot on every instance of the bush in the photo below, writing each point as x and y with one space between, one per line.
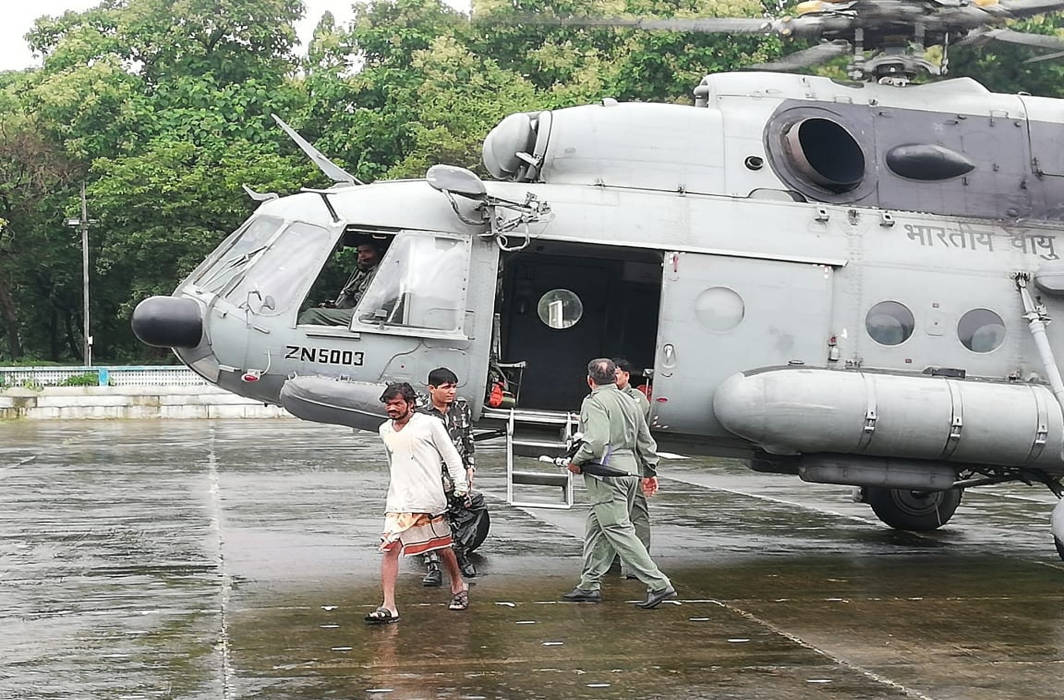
86 379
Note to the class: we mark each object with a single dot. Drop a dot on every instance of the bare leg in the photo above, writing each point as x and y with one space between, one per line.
389 573
455 573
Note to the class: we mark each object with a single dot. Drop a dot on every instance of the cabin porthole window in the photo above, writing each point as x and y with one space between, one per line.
560 309
981 330
890 323
719 309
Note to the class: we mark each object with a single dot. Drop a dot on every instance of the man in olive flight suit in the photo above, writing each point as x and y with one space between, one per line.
615 435
640 513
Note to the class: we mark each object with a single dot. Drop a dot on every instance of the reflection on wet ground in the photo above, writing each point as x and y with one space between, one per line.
236 559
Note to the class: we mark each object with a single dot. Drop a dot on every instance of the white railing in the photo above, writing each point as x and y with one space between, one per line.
145 375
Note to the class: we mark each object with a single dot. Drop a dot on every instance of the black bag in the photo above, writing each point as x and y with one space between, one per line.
469 521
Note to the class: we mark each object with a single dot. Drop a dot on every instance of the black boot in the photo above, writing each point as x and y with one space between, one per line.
433 577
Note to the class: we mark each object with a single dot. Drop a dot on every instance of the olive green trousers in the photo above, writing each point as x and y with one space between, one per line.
640 515
610 533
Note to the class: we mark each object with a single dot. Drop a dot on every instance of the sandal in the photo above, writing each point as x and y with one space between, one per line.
381 616
460 601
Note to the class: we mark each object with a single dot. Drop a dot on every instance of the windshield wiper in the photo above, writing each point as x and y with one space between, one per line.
230 271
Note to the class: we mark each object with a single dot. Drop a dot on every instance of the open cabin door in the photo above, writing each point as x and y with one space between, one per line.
721 315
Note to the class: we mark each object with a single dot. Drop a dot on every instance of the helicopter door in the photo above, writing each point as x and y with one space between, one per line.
721 315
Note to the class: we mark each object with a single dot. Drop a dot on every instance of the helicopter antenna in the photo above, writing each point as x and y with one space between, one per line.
332 171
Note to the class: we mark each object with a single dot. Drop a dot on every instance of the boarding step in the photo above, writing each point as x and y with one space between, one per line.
541 478
530 435
526 415
531 447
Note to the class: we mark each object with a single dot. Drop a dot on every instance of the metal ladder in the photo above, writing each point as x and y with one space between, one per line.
520 445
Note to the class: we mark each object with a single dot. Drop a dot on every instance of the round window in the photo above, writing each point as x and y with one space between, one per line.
560 308
719 309
889 323
981 330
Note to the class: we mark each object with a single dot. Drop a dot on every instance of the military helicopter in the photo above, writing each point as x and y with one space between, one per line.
846 282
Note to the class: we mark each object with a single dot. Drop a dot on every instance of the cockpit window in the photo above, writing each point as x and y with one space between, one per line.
275 279
421 283
237 253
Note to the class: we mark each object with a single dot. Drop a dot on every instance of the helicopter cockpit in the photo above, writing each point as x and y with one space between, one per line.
260 264
419 282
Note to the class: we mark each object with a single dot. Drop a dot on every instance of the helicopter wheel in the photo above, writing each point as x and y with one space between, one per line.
906 509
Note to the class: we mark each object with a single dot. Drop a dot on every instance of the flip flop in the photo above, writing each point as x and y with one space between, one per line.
460 601
381 616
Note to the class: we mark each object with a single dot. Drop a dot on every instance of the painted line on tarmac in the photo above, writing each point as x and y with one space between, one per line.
773 499
1011 497
226 579
15 465
1051 565
828 511
838 660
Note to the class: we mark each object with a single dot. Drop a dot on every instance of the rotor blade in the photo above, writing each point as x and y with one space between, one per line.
1046 57
1023 8
1041 41
976 37
806 57
705 25
333 171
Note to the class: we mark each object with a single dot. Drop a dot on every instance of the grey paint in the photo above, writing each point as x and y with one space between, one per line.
785 318
790 411
683 183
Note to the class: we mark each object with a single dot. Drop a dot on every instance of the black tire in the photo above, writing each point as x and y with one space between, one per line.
907 509
1060 547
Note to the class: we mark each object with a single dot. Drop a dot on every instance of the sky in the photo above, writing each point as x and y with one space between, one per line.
18 18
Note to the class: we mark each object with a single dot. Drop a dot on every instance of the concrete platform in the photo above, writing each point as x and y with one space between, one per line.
111 402
236 559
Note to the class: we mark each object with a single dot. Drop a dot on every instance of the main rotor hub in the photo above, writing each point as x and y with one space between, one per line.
895 65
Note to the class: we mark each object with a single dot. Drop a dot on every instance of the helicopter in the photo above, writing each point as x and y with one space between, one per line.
848 282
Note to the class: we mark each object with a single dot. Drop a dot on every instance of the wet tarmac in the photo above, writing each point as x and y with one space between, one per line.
236 559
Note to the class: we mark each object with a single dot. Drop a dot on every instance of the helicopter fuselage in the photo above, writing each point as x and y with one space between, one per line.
804 268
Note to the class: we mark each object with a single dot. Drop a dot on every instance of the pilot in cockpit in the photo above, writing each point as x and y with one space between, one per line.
339 311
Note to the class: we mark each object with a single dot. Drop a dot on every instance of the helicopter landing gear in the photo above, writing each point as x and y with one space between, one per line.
906 509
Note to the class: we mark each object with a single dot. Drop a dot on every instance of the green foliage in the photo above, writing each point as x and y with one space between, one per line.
86 379
163 108
31 384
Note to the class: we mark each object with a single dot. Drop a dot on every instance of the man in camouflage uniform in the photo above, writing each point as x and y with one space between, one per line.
445 404
615 434
640 514
339 312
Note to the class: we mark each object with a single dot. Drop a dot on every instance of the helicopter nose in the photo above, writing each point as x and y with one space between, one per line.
168 322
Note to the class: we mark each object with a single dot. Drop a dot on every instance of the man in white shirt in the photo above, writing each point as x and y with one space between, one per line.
415 519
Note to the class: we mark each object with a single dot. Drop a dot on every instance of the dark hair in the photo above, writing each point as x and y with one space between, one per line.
442 375
623 364
401 389
602 371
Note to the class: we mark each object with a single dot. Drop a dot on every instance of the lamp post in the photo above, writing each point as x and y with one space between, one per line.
83 224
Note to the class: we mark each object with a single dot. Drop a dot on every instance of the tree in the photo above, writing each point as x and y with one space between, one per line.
33 172
165 105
